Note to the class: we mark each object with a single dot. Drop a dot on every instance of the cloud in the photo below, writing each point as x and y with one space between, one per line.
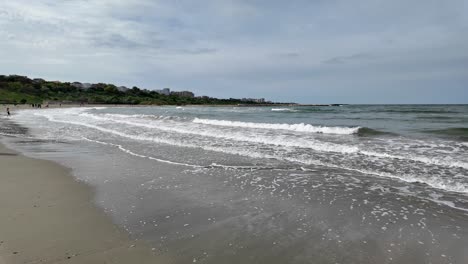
197 51
349 59
239 48
115 41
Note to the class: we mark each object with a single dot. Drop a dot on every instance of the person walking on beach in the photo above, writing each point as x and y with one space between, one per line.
8 111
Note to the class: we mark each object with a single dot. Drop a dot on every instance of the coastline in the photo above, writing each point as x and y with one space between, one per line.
49 217
22 106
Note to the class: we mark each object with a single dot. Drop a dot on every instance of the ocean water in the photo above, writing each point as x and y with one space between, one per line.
309 184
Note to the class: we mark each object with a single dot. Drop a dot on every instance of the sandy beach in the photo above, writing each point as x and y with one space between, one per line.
48 217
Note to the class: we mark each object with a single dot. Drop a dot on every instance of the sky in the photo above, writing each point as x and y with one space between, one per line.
305 51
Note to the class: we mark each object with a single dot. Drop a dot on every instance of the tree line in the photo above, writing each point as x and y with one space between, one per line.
15 89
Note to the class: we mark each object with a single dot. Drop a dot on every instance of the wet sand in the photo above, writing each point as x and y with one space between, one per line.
48 217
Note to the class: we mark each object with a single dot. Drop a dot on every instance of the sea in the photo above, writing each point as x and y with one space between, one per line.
276 184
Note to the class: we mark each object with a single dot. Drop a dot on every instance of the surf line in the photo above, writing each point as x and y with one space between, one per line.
16 136
139 155
213 165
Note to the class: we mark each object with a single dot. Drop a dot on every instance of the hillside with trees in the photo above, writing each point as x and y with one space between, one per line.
15 89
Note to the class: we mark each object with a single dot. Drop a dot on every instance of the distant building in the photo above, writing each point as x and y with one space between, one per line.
253 100
165 91
184 94
77 85
19 76
38 80
122 89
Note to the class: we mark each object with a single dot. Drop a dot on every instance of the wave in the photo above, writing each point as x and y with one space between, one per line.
435 182
365 131
241 136
319 146
409 111
292 127
455 131
140 155
212 165
284 110
312 109
460 133
140 116
437 117
281 141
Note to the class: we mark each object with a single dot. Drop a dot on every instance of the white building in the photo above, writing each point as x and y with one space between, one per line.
165 91
122 88
77 85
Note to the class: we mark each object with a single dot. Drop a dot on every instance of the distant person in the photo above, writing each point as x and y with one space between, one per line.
8 111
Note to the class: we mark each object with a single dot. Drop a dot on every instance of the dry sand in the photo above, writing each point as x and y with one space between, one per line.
46 216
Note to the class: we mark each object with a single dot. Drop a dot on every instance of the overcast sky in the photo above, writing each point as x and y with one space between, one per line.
310 51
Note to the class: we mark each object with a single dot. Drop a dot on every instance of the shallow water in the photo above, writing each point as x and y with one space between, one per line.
349 184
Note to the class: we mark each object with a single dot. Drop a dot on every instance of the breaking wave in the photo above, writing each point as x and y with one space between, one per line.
284 110
292 127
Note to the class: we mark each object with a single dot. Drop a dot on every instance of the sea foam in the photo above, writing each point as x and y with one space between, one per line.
301 127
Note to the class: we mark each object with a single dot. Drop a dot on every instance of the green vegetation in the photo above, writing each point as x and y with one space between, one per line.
15 89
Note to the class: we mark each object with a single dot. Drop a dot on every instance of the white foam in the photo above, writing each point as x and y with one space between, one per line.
293 127
281 141
438 161
448 203
239 136
283 110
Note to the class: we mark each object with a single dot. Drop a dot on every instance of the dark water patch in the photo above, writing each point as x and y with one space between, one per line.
437 117
31 140
8 154
367 132
418 111
460 133
8 127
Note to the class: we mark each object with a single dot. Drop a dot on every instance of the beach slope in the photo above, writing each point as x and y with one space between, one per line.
47 216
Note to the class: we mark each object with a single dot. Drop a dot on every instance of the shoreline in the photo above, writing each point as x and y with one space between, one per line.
27 106
47 216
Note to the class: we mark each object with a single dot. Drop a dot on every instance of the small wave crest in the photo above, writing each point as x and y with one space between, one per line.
460 133
365 131
293 127
418 111
284 110
138 116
